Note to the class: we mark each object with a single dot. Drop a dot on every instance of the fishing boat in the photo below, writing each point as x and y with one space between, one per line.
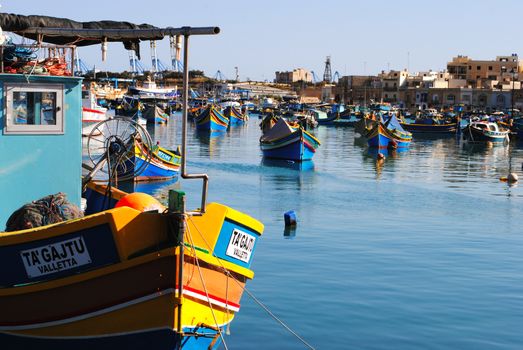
388 132
286 141
122 275
155 115
211 119
485 131
92 112
235 116
155 164
431 125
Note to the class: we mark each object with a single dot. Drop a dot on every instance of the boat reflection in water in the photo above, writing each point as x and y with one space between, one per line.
307 165
287 174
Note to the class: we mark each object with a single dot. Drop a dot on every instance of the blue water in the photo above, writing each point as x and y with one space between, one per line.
423 251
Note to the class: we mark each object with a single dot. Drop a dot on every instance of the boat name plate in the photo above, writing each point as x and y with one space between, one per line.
240 245
56 257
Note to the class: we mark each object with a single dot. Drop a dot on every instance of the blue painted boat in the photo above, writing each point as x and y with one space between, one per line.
285 141
388 132
235 116
157 164
211 119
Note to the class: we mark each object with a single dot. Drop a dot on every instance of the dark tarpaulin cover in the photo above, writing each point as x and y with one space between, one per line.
18 23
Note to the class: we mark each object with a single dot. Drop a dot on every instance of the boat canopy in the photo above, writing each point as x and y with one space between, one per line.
63 31
391 122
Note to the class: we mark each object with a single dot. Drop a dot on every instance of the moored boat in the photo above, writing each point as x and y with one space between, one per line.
485 131
235 116
285 141
211 119
388 133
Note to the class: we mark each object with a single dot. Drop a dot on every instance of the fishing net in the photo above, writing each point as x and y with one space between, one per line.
45 211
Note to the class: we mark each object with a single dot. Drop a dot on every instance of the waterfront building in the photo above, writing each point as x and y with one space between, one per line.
298 74
477 73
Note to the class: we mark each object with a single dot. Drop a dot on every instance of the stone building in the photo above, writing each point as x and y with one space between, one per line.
298 74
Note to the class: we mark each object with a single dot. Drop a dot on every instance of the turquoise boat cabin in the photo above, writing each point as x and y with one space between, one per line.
40 142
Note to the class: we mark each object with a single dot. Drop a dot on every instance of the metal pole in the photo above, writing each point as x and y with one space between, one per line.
184 174
177 211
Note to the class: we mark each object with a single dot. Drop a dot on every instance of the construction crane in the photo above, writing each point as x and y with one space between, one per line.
157 65
336 77
136 66
175 43
219 76
315 79
327 75
80 67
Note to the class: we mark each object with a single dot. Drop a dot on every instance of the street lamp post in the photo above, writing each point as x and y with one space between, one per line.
513 76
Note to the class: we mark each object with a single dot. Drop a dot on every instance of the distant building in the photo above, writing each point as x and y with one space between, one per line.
298 74
478 73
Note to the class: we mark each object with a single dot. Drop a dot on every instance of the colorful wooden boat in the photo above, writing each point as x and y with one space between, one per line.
122 276
235 116
158 163
155 115
286 141
389 133
109 280
211 119
485 131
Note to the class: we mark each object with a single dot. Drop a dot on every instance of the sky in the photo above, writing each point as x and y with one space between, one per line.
363 37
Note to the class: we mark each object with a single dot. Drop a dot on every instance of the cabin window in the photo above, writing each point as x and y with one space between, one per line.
33 109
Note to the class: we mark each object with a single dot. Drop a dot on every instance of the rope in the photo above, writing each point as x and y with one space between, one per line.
205 289
283 324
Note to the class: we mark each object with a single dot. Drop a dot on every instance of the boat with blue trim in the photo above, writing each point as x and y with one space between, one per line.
235 116
158 163
128 273
388 132
287 141
485 131
211 119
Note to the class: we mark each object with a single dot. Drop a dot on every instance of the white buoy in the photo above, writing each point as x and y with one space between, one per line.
512 177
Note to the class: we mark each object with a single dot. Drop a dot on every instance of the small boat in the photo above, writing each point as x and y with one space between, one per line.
434 125
235 116
286 141
388 132
92 113
211 119
158 163
485 131
155 115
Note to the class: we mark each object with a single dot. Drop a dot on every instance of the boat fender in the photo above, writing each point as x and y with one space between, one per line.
140 201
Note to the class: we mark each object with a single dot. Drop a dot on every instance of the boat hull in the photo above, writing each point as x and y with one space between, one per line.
122 291
298 146
160 164
472 134
431 128
211 120
381 137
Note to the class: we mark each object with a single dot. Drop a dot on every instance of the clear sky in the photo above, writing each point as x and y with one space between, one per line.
261 37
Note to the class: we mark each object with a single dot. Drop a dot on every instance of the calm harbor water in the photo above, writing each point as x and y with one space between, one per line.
421 252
